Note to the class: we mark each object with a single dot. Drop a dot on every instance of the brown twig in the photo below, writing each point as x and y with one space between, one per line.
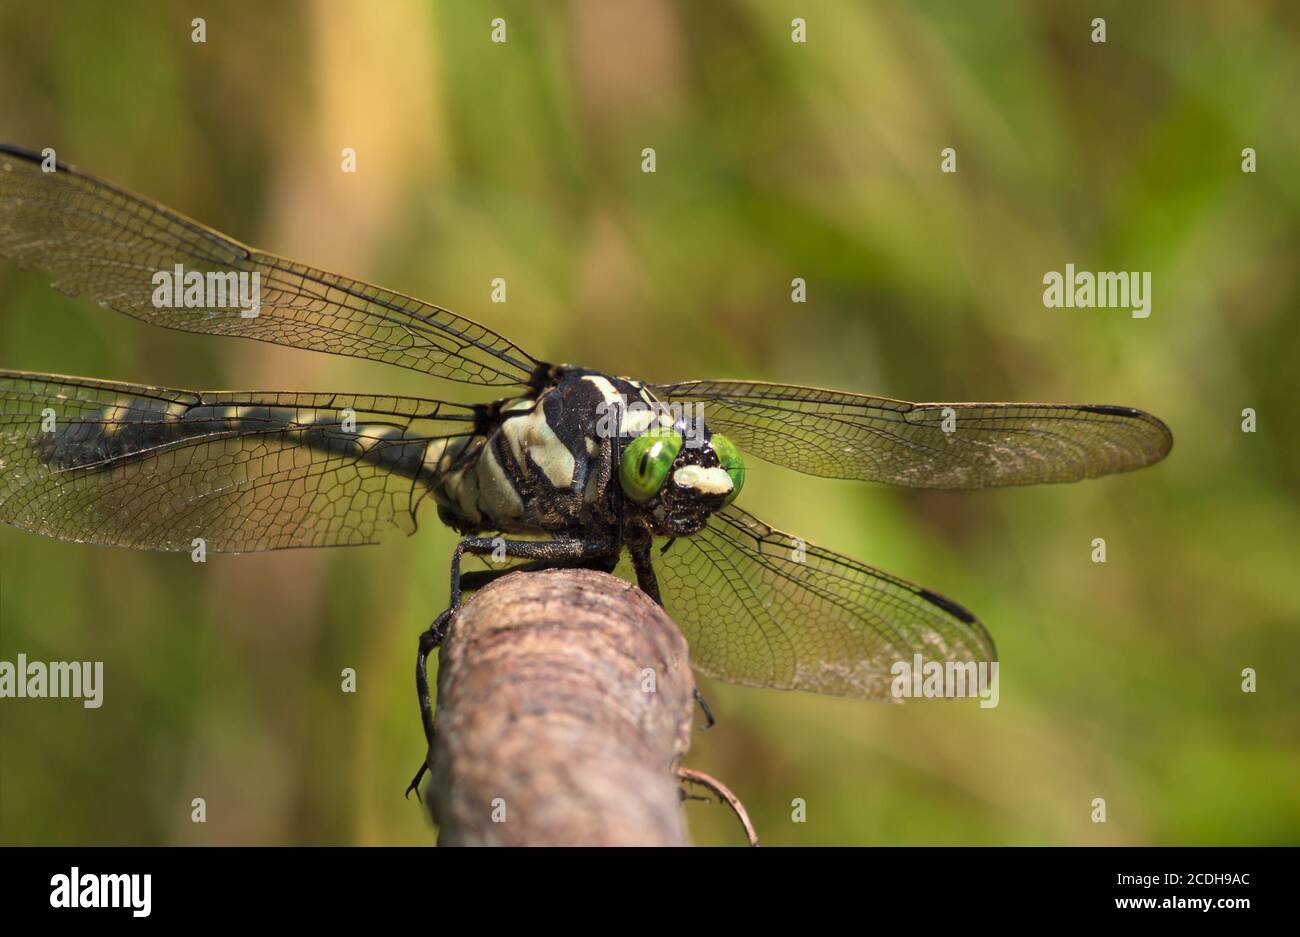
691 776
565 698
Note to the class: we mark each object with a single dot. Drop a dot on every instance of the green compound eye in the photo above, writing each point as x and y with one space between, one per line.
730 458
646 462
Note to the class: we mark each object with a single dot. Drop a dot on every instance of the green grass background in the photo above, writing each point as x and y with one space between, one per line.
775 160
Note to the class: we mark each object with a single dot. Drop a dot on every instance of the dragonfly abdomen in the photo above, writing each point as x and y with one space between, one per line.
129 431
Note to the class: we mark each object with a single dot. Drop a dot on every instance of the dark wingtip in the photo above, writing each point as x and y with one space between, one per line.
949 606
1113 410
21 151
989 649
1133 413
31 156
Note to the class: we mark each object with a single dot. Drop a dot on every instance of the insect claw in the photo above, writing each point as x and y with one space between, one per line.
709 721
415 784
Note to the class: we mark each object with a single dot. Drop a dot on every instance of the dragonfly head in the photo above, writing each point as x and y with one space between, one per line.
677 480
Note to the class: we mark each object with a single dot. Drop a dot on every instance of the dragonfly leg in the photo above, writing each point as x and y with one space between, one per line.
543 553
429 639
649 584
478 578
646 579
709 721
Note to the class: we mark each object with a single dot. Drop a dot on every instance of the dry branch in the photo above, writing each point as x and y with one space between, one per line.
565 700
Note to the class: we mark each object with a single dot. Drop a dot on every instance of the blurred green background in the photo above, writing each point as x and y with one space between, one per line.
775 160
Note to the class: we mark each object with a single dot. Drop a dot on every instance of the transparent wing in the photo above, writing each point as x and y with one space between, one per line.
762 608
99 241
152 468
925 445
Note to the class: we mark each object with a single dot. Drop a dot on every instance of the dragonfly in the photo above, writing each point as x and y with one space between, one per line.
568 467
